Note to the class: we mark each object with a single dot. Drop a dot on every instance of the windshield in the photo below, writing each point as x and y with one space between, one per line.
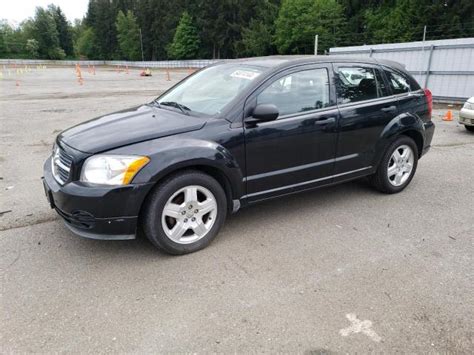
210 90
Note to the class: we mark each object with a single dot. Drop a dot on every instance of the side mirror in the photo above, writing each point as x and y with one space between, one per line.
265 112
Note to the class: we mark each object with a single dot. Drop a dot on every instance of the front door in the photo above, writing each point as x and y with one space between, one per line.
297 150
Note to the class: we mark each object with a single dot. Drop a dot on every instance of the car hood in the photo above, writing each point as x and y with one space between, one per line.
126 127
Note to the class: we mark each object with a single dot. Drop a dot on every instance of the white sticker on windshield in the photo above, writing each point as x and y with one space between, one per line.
244 74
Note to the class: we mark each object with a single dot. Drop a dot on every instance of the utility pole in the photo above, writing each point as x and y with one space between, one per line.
316 45
141 44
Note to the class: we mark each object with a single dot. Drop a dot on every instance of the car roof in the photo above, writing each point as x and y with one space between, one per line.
282 61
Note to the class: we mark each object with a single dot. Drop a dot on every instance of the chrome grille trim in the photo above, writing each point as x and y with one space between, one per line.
61 165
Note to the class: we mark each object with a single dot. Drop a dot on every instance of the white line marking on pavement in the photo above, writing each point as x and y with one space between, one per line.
359 326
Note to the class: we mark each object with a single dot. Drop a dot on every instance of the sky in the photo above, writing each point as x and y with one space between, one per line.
16 11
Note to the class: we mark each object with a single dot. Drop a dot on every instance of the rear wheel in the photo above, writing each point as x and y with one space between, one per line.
469 128
397 167
185 212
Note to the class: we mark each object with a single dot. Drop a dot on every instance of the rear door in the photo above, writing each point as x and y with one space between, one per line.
365 108
297 150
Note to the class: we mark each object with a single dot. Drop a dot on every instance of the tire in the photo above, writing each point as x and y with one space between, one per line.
469 128
196 208
399 176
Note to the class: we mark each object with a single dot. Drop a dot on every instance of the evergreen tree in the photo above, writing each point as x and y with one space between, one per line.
186 40
101 16
128 35
63 28
46 35
233 28
4 29
257 37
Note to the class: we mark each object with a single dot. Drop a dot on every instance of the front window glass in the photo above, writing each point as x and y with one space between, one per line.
298 92
210 90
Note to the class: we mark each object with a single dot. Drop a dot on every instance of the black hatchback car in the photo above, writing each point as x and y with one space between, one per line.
233 134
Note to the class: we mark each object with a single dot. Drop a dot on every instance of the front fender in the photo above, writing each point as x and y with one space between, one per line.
401 124
173 153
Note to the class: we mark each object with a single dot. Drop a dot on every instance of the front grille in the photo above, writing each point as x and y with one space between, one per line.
61 165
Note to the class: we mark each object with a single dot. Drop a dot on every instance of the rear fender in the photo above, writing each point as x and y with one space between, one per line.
401 124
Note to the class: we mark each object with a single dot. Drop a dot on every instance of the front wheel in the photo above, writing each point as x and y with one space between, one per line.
185 212
397 167
469 128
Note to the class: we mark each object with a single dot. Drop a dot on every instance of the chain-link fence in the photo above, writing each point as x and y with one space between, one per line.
195 63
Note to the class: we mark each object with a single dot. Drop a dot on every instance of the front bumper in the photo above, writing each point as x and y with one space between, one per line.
97 212
466 117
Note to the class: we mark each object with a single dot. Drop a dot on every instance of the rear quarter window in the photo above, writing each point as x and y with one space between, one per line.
400 83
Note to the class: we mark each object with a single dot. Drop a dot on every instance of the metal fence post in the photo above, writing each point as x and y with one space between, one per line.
428 67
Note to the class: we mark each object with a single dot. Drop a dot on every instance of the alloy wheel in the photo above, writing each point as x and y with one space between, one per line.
400 165
189 214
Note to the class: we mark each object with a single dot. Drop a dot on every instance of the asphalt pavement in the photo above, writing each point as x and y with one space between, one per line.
343 269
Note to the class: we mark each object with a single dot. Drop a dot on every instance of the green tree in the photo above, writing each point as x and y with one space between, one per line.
300 20
63 28
32 47
5 29
257 37
404 20
128 35
85 44
101 17
46 34
186 40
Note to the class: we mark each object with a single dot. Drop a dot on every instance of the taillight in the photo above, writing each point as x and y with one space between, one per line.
429 100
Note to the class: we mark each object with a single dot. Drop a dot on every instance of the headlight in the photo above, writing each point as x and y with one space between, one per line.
112 169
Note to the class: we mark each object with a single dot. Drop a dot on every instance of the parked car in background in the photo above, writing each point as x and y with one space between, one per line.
466 115
234 134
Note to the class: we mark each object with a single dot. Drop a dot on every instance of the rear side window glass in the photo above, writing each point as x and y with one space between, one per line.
298 92
357 84
398 83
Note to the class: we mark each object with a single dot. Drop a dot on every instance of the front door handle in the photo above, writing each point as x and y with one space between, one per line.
389 109
325 120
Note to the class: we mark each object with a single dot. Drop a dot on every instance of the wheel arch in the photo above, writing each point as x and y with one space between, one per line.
417 137
231 191
405 124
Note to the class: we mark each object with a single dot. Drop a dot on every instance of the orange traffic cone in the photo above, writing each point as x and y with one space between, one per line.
448 116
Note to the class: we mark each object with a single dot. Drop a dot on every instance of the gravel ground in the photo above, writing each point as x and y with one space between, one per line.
338 270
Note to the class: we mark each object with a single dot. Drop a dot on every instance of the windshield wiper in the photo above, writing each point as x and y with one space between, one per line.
184 109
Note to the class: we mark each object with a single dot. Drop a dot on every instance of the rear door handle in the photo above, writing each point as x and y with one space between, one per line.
325 120
389 109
